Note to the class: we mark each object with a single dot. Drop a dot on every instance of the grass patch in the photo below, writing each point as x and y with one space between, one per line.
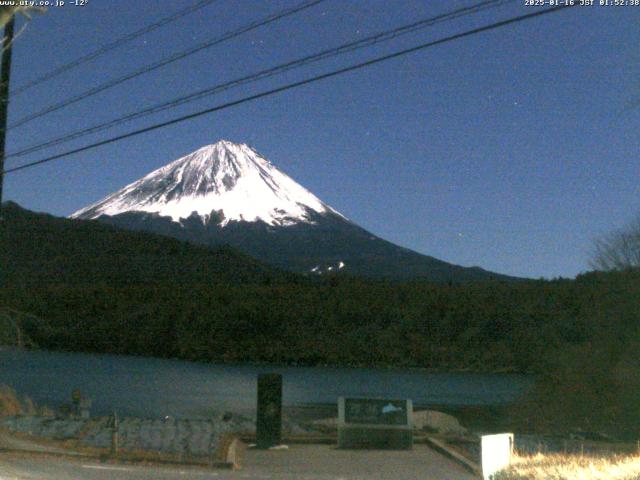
572 467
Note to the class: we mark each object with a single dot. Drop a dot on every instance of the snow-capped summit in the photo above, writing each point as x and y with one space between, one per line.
232 180
228 194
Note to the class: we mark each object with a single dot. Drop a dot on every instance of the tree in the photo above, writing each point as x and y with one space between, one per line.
7 12
619 250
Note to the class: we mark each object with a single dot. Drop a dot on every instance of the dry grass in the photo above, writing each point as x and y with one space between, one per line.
11 404
572 467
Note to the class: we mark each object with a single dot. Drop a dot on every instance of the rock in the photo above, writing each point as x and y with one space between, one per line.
426 420
326 424
439 422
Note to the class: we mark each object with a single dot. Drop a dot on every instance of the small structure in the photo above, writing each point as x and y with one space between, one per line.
85 408
81 405
496 452
375 423
76 397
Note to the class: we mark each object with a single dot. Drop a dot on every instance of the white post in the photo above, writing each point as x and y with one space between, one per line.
496 452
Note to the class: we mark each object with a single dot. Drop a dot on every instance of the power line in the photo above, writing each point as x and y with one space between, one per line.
166 61
113 45
290 86
306 60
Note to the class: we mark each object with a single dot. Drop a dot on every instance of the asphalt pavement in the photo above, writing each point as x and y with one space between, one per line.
304 462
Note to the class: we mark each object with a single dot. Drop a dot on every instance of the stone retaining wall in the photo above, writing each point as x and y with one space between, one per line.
197 438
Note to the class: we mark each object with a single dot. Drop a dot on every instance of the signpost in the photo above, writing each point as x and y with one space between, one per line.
375 423
269 421
114 424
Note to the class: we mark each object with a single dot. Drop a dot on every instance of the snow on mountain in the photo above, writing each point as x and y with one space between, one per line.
327 269
228 178
228 194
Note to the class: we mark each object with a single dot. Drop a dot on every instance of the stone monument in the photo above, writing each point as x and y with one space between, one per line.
375 423
269 419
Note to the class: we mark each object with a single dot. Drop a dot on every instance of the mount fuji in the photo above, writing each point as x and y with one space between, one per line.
227 193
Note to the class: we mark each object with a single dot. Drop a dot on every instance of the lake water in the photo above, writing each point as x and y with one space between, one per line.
151 387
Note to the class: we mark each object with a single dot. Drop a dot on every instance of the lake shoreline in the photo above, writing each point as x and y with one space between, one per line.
159 387
412 368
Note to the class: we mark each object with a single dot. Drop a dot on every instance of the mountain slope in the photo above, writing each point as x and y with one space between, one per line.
38 248
227 193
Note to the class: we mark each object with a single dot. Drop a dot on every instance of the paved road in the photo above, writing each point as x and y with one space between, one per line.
14 443
300 462
324 462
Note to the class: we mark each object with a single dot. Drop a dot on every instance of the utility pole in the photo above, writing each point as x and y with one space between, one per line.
4 95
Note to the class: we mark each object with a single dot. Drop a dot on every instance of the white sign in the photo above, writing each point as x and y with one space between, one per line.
496 453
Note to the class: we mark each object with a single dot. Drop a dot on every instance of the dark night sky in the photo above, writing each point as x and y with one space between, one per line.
510 149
